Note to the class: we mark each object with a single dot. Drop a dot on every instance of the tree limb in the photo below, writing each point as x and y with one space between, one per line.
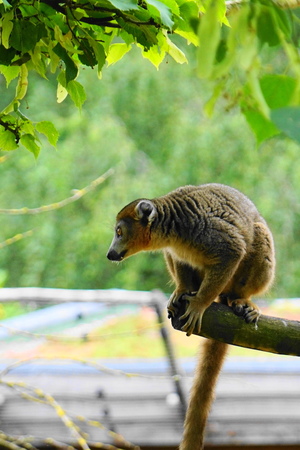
271 334
110 21
106 21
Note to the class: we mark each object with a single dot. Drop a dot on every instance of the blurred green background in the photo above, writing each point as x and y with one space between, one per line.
149 125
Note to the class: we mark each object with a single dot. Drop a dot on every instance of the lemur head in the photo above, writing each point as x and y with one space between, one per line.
132 231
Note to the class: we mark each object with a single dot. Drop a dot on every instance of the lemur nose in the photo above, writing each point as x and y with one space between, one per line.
112 255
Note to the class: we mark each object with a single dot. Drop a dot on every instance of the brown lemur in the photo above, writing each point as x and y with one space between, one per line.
217 248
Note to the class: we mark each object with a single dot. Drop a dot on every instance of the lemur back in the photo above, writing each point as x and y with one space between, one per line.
217 248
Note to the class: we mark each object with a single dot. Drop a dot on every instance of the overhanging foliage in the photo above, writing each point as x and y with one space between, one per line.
249 49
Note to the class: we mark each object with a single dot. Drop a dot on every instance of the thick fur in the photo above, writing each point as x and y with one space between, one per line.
217 248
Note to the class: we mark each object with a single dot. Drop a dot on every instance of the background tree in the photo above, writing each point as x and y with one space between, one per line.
149 125
249 49
154 145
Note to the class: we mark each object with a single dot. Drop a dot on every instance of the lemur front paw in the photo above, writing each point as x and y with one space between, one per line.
193 315
246 309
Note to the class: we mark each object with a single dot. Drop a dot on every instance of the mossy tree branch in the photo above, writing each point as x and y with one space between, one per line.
271 334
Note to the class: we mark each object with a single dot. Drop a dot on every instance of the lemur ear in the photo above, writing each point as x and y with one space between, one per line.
145 211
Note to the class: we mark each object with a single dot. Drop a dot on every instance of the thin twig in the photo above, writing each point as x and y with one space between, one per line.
53 206
15 238
38 395
88 363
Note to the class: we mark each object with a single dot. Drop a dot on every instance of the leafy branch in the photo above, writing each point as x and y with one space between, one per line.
12 128
65 36
105 21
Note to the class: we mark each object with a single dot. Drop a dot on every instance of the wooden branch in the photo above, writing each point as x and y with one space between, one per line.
271 334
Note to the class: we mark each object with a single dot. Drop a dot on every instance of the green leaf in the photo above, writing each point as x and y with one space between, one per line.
10 73
126 5
49 130
150 36
282 19
54 60
16 36
116 52
24 36
155 55
266 28
46 10
159 9
6 55
7 140
38 61
261 126
27 126
30 143
76 92
71 68
272 22
41 31
175 52
278 90
173 6
189 36
88 57
143 34
288 120
188 13
27 10
6 4
7 26
141 15
100 54
61 93
126 37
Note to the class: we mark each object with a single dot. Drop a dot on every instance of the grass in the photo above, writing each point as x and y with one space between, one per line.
136 335
12 309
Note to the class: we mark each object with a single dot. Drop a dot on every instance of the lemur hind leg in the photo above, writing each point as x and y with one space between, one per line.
255 274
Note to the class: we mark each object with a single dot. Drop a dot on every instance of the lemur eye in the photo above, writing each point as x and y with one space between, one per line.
118 231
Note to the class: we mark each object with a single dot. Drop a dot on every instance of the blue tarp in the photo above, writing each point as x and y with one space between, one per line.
51 316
